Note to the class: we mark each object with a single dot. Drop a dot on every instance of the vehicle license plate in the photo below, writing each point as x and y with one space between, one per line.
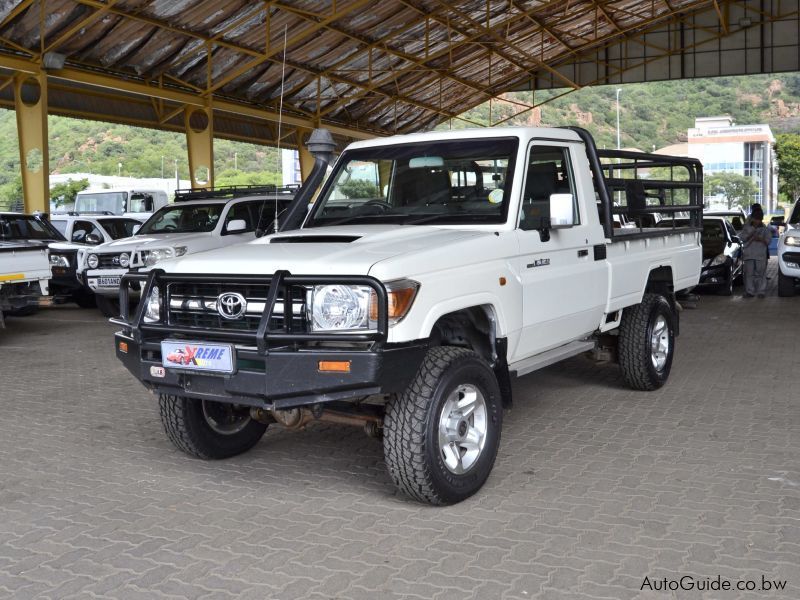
196 356
108 281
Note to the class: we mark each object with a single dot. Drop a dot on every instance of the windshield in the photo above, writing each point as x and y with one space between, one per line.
190 218
114 202
445 182
27 227
119 228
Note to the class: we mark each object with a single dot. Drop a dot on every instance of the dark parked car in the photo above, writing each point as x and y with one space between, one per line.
722 253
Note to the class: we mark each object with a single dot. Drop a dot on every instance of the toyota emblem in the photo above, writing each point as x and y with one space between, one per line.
231 305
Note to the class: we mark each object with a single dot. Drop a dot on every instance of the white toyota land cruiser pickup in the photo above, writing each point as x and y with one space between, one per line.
430 270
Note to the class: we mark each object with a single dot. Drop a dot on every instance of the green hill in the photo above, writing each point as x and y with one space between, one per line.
657 114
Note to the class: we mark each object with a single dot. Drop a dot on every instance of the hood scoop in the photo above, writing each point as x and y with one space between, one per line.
315 239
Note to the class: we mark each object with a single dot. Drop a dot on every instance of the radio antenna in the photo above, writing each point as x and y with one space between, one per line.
280 121
259 231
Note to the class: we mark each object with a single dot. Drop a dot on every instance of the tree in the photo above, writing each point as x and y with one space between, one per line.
63 194
787 148
736 189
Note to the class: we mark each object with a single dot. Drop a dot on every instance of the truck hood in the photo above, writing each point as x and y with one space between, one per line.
343 250
160 240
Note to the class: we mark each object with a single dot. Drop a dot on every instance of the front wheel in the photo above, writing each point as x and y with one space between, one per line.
442 433
647 342
785 285
206 429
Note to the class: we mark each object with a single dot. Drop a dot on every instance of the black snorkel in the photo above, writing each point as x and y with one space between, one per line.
321 145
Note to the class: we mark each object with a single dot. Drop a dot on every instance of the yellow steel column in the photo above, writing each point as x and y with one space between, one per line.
30 100
200 142
306 159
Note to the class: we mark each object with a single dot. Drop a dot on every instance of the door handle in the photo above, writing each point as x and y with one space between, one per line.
582 253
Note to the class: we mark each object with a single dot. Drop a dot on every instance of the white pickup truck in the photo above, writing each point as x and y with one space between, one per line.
198 221
24 275
430 270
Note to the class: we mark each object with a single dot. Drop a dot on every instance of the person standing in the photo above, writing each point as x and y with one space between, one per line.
756 237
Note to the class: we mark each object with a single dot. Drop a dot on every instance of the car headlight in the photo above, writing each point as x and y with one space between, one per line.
124 260
56 260
92 261
792 240
400 295
719 259
152 312
151 257
339 307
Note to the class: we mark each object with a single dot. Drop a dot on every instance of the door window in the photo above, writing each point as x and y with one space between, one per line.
83 228
549 171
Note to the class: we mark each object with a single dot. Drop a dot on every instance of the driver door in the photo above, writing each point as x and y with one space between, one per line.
564 288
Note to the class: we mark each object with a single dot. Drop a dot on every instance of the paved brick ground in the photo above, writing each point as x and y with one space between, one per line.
595 488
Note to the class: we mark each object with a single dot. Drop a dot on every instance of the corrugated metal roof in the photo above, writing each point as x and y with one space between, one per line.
375 65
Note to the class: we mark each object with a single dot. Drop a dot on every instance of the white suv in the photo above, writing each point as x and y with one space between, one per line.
789 254
185 227
93 229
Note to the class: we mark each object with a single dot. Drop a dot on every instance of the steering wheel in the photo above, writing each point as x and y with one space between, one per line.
169 227
374 203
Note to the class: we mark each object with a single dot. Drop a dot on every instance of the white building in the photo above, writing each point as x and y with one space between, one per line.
748 150
290 165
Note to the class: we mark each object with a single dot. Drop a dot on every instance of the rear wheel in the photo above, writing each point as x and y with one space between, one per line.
785 285
442 433
25 311
108 306
647 342
209 430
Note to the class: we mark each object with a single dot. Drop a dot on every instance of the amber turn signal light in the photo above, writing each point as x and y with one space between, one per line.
334 366
123 347
399 301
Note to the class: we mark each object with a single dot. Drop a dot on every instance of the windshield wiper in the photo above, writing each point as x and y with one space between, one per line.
351 218
458 216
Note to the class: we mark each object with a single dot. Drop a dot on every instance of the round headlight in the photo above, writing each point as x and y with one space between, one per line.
339 307
124 260
153 311
57 260
792 240
92 261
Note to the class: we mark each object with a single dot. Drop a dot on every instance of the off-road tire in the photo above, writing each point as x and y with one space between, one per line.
411 428
108 306
786 285
635 334
188 430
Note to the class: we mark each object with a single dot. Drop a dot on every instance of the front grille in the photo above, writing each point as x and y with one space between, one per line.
108 261
195 305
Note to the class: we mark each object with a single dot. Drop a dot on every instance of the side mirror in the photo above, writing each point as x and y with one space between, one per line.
736 240
562 211
135 229
236 226
93 239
